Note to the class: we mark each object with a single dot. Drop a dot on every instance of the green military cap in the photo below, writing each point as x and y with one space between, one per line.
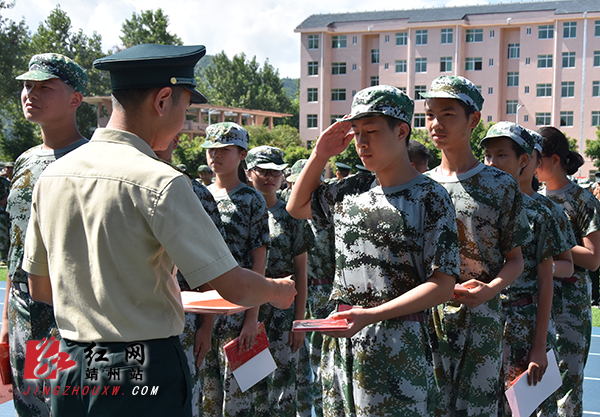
224 134
265 157
341 165
43 67
149 66
512 131
182 167
537 139
202 168
361 168
296 170
457 87
381 100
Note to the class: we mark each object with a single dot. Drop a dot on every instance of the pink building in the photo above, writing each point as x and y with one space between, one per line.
538 63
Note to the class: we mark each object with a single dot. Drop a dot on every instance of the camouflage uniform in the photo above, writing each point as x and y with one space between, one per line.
387 242
194 321
468 347
288 240
27 319
572 301
245 220
519 320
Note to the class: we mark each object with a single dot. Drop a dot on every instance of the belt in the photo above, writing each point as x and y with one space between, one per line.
323 281
570 280
521 302
20 286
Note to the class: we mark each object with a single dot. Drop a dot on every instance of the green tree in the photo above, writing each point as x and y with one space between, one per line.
348 157
190 152
421 135
593 148
476 135
148 27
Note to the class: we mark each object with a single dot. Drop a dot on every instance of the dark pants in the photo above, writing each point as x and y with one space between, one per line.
595 277
162 388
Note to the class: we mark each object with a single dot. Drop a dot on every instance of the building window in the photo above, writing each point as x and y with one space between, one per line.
421 37
353 67
512 79
474 35
374 80
338 68
597 28
491 62
387 38
313 68
597 58
542 119
489 118
544 61
419 120
354 40
546 32
566 118
313 41
401 38
528 31
334 118
338 41
511 106
527 61
473 64
570 30
526 89
311 121
568 59
401 65
526 118
312 94
596 89
447 36
374 56
418 90
514 50
595 117
490 90
567 89
338 94
543 90
492 33
386 65
446 64
420 64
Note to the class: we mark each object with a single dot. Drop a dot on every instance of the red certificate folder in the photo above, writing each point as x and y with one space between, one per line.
319 325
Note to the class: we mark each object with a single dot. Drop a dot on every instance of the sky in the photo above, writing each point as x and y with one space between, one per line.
261 28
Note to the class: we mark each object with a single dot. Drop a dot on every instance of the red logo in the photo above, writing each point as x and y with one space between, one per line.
43 360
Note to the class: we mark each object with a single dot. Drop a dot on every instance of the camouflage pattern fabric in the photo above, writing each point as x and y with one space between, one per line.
467 343
43 67
194 321
457 87
519 322
27 319
387 242
245 219
381 100
223 134
572 301
564 225
4 234
288 240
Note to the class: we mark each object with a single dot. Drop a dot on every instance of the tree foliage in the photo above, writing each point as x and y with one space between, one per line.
593 148
190 153
148 27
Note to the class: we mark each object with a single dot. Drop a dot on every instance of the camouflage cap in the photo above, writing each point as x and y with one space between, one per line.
537 139
512 131
450 86
265 157
224 134
296 170
43 67
381 100
202 168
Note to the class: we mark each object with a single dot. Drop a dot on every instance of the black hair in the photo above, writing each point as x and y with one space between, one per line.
131 100
418 153
393 122
555 143
241 170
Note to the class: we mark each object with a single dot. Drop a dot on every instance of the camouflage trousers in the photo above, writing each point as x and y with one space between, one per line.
28 320
519 330
221 393
187 339
384 369
467 355
573 320
277 392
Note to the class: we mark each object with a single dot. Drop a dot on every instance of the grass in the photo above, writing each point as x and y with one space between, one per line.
3 273
595 317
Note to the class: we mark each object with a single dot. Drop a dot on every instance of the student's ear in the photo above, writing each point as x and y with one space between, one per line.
76 99
403 131
523 160
243 154
161 100
555 159
474 119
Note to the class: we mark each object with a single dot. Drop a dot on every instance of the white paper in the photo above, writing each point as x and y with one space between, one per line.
524 398
253 371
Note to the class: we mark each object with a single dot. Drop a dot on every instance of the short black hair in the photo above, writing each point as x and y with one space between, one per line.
393 122
130 100
418 153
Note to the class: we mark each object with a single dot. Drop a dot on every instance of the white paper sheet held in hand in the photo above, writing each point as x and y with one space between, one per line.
524 398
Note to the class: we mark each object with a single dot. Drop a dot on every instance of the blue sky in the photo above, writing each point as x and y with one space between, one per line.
261 28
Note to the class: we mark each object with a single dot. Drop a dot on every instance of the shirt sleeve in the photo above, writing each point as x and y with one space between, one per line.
512 223
35 259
